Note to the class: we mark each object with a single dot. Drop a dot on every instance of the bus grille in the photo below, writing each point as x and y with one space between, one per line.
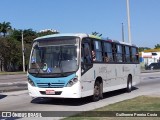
50 85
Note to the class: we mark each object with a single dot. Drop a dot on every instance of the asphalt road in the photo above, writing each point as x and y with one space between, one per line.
13 82
13 78
21 101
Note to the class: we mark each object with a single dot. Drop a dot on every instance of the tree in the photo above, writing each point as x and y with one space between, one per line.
140 49
28 35
5 27
16 34
157 46
11 49
11 46
9 54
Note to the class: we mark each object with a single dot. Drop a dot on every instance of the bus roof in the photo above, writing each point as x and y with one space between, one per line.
63 35
82 35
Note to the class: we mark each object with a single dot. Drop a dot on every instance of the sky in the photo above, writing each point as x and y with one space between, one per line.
87 16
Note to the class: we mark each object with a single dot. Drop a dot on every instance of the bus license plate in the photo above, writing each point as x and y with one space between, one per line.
50 92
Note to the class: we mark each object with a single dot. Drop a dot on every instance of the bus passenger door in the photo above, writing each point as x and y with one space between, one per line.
86 59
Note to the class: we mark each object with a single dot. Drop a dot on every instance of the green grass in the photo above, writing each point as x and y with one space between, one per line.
139 104
12 73
142 103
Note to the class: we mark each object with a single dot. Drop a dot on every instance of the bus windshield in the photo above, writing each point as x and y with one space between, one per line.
54 58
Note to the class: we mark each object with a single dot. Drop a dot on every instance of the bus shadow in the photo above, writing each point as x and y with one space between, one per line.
116 92
2 96
76 101
62 101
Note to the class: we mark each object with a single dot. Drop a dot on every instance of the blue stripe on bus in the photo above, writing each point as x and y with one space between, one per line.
51 82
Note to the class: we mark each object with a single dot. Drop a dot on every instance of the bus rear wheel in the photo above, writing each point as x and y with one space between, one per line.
96 94
129 84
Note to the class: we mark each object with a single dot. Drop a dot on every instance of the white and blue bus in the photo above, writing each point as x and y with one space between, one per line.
80 65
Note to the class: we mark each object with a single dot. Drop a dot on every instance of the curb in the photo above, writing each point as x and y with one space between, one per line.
150 71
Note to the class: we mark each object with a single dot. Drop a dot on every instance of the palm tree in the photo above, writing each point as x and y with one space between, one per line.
5 27
157 46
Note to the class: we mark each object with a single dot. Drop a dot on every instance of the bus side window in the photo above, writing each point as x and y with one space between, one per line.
108 55
114 52
127 54
98 51
134 55
119 53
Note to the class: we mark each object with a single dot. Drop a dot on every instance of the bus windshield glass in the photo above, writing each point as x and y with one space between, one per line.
54 57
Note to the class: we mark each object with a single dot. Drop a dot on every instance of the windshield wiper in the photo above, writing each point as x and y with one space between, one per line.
37 69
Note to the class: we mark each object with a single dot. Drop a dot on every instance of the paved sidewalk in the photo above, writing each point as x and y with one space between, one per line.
155 94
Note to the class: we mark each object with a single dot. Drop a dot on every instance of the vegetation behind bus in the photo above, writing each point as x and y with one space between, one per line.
10 44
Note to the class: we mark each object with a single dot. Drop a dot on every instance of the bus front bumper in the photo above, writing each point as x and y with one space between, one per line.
65 92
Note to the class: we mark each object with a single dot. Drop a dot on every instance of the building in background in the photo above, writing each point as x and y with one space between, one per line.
149 56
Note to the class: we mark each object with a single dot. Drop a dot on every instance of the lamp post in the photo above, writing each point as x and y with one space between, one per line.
128 18
122 33
23 53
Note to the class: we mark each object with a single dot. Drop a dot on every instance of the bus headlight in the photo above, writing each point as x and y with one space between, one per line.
31 82
72 82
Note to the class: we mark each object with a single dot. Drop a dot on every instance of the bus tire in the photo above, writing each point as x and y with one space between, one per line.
101 90
129 84
96 93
